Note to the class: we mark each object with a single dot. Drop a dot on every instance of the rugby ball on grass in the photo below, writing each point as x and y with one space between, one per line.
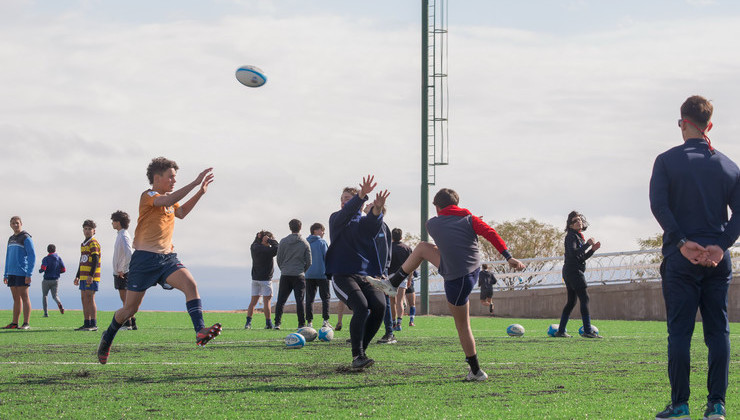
308 333
515 330
295 341
326 334
552 329
593 329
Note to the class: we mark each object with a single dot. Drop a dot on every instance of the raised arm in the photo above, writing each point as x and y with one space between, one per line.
205 178
170 199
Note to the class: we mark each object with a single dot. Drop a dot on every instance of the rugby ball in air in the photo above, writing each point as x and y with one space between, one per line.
552 329
295 341
251 76
326 334
515 330
308 333
593 329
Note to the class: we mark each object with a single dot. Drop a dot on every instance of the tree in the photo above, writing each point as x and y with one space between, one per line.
652 242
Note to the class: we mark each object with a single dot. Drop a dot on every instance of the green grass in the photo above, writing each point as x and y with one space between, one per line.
51 371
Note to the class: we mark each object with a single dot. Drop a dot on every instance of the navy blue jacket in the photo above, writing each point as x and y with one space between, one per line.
352 235
690 190
576 252
52 266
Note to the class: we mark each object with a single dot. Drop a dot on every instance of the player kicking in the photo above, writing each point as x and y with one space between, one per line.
457 256
153 261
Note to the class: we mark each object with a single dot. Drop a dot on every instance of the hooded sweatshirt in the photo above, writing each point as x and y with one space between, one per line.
318 257
20 256
294 255
353 249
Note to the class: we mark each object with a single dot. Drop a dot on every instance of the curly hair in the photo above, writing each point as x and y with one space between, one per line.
572 215
89 223
121 217
158 166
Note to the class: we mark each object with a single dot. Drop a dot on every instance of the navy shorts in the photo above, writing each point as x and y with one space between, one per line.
93 286
149 268
17 281
120 282
458 290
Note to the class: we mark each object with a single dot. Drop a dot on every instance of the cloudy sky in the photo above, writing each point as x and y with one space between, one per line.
554 106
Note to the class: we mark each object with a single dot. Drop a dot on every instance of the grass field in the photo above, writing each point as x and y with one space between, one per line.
51 371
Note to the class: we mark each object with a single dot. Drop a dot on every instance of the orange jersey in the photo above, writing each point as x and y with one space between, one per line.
89 248
155 226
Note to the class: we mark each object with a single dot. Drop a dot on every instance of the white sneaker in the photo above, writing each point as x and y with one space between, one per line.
326 324
382 284
481 376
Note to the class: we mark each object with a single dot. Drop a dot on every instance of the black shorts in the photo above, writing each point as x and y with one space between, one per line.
486 294
120 282
410 290
17 281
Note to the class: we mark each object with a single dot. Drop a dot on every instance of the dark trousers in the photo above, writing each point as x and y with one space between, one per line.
387 318
582 296
368 307
297 285
323 286
686 288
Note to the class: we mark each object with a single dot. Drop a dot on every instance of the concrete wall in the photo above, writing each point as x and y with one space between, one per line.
632 301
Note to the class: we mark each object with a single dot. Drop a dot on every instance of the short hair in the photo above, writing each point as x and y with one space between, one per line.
572 215
89 223
396 234
698 109
484 266
121 217
351 190
51 248
295 225
16 218
446 197
316 226
157 167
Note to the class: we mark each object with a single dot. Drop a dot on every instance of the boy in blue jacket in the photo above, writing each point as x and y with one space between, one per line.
52 267
316 275
352 256
19 260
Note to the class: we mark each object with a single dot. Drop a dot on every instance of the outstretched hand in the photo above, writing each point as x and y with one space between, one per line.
379 202
202 175
206 182
516 264
367 186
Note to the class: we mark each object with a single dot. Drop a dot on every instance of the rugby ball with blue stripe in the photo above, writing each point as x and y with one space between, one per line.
552 329
251 76
593 329
326 334
295 341
515 330
308 333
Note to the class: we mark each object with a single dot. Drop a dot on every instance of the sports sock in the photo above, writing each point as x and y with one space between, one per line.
412 311
473 362
399 321
196 314
249 320
113 328
93 322
86 324
398 277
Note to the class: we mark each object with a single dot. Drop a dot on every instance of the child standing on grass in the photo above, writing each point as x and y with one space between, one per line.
457 256
88 276
153 261
52 267
19 260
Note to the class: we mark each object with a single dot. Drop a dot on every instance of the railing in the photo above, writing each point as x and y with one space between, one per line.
606 268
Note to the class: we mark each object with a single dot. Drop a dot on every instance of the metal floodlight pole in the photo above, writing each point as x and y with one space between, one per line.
424 149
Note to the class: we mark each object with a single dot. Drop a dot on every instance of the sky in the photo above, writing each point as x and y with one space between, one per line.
554 106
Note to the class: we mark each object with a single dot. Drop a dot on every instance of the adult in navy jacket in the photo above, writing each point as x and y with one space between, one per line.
691 187
351 257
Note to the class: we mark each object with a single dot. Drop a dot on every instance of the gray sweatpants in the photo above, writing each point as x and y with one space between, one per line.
50 285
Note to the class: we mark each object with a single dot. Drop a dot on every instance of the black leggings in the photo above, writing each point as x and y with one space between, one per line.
368 308
582 295
323 286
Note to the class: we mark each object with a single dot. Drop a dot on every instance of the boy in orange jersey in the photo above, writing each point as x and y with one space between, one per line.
153 261
88 276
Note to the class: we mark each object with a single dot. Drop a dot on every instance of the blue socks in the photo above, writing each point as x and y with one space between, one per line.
195 310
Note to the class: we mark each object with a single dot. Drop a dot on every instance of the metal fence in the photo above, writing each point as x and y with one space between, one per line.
606 268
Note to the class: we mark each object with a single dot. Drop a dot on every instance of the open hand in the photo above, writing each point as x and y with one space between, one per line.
379 202
367 186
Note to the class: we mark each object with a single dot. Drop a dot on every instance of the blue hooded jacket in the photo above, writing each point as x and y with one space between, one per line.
20 256
352 249
318 257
